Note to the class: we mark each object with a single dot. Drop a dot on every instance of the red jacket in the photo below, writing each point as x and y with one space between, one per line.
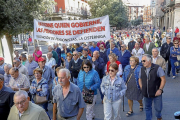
177 30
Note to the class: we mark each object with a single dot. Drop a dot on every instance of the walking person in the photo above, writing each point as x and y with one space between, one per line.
89 78
131 77
152 81
113 88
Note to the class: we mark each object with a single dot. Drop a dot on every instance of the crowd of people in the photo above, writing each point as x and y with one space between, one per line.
131 64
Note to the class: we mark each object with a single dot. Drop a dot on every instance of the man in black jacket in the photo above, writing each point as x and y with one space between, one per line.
75 66
98 64
152 81
165 52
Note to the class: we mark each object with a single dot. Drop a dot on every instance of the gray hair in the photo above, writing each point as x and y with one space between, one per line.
178 33
64 70
1 77
96 51
20 93
125 45
148 37
76 52
155 49
50 53
16 59
50 46
148 57
30 55
8 65
168 35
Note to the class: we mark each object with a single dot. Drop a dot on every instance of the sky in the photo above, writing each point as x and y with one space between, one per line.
141 2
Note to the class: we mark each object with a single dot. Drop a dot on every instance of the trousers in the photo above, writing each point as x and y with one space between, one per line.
90 109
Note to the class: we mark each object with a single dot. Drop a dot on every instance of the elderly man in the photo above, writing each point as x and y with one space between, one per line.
55 55
16 52
7 75
75 66
137 51
158 59
58 50
2 63
103 53
131 44
148 46
22 69
18 81
23 59
94 47
140 42
152 81
113 49
124 56
50 62
31 65
6 99
37 53
85 55
98 64
67 98
24 109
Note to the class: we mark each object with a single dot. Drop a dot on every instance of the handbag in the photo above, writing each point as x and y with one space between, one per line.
39 99
88 95
176 63
178 57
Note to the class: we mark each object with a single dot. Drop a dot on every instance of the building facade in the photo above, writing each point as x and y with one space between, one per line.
71 10
147 16
135 12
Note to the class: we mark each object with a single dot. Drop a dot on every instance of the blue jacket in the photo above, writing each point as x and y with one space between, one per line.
63 55
136 73
58 50
88 58
173 54
94 49
79 49
125 58
92 80
99 66
103 55
115 51
113 92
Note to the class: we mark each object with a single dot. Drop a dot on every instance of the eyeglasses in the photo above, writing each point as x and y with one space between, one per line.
110 70
74 54
168 38
122 46
102 46
175 43
85 67
14 62
143 61
20 103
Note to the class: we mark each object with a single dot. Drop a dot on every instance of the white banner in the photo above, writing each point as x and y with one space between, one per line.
72 31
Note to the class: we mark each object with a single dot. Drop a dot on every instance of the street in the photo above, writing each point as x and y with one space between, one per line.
171 98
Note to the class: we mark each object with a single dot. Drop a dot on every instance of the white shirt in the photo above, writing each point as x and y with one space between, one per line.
147 46
112 82
50 62
138 53
154 60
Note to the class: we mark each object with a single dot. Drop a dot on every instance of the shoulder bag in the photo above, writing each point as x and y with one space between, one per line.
130 76
165 54
88 95
39 99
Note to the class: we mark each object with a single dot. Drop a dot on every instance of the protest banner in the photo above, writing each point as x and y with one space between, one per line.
72 31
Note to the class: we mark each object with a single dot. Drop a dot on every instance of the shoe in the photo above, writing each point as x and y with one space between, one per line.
141 108
168 75
159 118
173 77
129 113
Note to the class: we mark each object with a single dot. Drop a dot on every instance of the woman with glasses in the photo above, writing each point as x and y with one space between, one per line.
39 86
113 88
174 52
90 78
113 59
131 77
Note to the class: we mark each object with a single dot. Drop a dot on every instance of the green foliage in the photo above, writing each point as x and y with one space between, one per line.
116 10
136 22
16 16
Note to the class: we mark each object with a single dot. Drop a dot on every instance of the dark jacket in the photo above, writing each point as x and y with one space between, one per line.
165 49
75 67
103 55
58 50
131 45
99 66
150 83
124 59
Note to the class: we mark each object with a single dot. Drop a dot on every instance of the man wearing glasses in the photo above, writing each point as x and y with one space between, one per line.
165 52
152 81
6 99
23 109
75 66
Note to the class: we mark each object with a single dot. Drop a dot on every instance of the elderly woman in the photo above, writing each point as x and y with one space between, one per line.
90 78
113 59
174 53
131 77
113 88
67 61
39 86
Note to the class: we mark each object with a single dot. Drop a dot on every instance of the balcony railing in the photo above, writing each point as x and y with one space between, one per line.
73 11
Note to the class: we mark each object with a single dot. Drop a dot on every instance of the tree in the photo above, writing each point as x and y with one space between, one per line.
136 22
114 8
16 16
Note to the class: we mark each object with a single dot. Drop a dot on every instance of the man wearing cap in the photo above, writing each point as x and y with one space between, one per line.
131 44
2 63
22 69
85 55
